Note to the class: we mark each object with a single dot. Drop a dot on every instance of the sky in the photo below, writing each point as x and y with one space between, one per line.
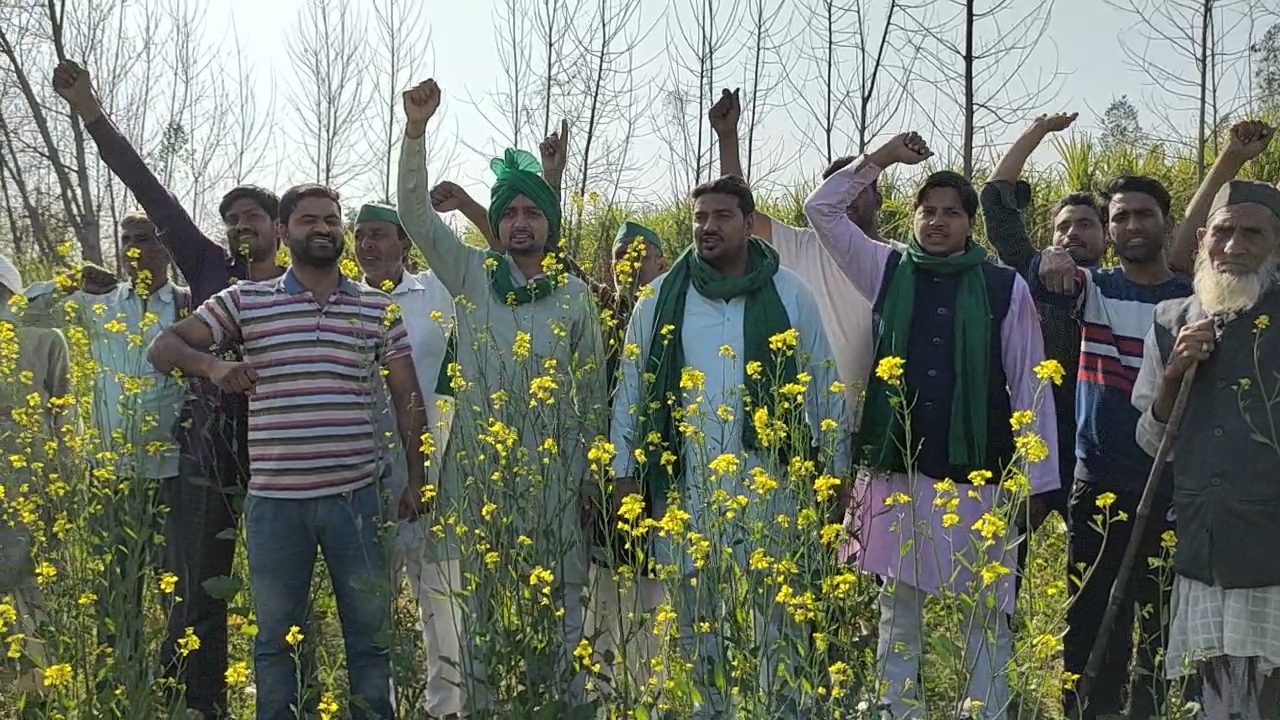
1083 44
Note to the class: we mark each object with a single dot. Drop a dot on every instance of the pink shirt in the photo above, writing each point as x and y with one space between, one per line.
907 540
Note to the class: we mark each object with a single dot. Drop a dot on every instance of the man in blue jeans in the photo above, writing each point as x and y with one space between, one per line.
313 343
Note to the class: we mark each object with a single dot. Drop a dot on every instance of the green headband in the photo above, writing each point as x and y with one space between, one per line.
377 211
631 230
518 174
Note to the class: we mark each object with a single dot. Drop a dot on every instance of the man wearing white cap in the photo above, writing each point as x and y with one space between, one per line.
42 367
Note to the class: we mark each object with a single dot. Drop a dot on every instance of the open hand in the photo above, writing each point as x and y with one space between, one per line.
1056 122
726 111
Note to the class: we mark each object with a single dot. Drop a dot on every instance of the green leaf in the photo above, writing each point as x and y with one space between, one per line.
228 534
221 587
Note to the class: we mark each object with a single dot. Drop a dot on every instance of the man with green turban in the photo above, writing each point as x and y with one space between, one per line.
726 343
528 377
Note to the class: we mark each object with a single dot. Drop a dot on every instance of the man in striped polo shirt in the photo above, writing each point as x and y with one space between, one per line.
314 344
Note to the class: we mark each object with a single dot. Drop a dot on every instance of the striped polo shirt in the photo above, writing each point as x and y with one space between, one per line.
312 430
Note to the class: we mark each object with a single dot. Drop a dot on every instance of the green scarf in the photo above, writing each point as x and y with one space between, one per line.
882 430
763 317
444 384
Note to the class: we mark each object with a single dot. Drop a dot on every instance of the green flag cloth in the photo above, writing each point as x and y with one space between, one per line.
882 429
763 317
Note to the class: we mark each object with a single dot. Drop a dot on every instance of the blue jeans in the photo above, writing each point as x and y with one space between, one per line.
282 539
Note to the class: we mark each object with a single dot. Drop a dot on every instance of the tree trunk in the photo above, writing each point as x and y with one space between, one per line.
969 18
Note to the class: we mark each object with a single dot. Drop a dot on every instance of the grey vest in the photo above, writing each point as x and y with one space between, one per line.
1226 482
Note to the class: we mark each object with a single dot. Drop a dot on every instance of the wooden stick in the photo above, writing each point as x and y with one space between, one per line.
1135 539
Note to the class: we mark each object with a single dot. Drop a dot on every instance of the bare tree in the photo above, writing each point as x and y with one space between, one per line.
705 37
978 58
74 185
1200 81
398 52
768 33
250 120
511 29
328 57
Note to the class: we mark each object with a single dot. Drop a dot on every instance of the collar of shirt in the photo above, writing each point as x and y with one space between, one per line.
288 282
164 293
409 282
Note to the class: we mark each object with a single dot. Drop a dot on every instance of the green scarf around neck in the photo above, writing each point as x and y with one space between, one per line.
882 431
763 317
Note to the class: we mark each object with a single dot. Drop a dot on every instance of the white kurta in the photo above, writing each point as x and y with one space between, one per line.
710 325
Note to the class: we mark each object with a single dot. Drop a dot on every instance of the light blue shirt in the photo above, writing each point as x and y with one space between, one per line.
135 409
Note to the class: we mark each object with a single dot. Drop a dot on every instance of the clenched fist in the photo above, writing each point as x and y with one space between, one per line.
74 85
447 197
725 113
420 104
1249 138
234 377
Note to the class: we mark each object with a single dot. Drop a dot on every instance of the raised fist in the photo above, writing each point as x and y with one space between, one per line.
725 113
74 85
421 101
1249 138
447 197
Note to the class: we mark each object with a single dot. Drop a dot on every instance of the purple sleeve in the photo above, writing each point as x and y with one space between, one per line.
192 250
1023 351
860 258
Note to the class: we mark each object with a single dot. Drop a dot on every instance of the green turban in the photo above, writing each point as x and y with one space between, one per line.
519 174
378 211
632 230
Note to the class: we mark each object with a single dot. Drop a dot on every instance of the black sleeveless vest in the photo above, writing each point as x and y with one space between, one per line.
930 370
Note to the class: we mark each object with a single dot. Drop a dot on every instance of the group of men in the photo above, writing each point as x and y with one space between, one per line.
298 375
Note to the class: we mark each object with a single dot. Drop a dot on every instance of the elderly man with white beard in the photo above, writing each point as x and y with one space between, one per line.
1226 455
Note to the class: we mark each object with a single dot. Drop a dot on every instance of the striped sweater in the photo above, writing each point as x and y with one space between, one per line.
1115 315
312 429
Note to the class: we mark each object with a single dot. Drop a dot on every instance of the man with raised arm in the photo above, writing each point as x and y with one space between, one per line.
1079 227
959 344
1247 140
528 331
1226 592
845 313
313 444
214 462
729 286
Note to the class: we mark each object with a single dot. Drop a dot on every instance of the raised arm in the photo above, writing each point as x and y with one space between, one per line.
443 250
723 117
1005 196
555 157
1023 351
860 258
447 197
192 250
1248 139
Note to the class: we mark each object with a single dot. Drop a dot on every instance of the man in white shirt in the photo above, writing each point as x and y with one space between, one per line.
768 335
382 249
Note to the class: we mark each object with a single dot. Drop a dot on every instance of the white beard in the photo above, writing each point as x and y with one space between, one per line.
1222 292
